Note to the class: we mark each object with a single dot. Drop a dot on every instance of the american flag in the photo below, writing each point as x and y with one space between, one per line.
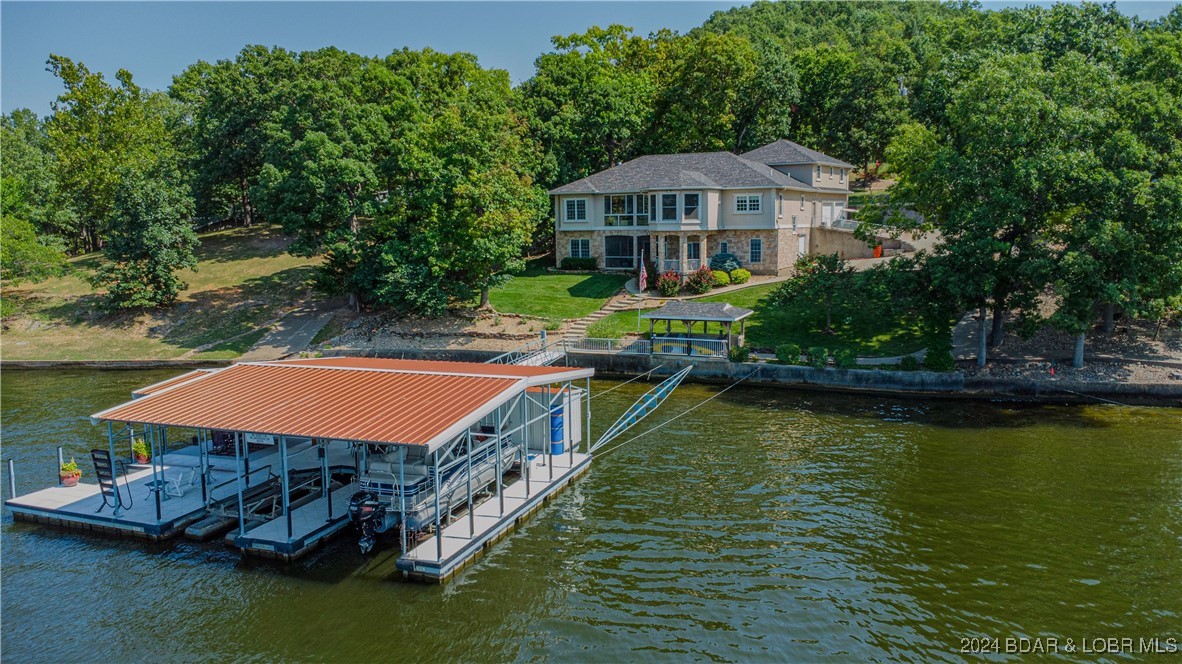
642 280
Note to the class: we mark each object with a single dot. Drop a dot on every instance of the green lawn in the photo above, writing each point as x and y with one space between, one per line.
244 277
537 292
867 328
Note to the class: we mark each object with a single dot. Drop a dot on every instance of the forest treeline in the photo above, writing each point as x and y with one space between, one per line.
1045 144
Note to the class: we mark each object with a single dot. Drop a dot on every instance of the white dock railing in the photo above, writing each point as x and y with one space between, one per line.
690 346
623 346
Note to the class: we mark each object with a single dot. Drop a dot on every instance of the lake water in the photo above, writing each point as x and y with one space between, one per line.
768 525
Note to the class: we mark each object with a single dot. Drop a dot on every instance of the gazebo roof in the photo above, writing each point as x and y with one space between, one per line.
708 311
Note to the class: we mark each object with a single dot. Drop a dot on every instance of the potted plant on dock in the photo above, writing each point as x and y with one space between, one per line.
70 473
139 449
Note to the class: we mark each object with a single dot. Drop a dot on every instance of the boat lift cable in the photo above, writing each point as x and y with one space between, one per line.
643 407
678 416
634 378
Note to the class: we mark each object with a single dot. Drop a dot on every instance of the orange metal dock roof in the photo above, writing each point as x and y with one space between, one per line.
363 399
171 382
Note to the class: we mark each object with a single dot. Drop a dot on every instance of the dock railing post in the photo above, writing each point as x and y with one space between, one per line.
325 478
549 449
60 462
11 479
568 430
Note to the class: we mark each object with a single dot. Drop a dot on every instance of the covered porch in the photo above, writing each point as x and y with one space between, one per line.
717 332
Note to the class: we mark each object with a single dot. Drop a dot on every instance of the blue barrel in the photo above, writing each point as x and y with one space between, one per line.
556 446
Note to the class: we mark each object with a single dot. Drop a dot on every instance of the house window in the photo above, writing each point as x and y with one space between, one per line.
756 250
830 172
625 210
576 209
617 251
793 222
690 206
841 175
779 205
693 251
802 201
668 207
748 203
724 247
580 248
818 171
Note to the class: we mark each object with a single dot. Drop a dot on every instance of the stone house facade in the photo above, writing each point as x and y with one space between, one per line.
679 210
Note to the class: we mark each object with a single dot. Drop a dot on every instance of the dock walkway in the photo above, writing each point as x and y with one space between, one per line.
310 524
461 546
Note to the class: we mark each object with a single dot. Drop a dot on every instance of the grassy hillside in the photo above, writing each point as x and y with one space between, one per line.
243 279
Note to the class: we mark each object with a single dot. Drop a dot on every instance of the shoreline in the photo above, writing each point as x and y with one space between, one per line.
926 384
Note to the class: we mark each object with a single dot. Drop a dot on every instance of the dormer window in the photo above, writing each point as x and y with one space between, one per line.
818 171
841 175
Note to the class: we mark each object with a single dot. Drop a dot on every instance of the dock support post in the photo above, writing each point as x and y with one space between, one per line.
570 430
525 427
60 462
238 470
471 514
285 484
402 496
203 465
587 439
500 470
438 516
157 471
11 480
325 478
548 448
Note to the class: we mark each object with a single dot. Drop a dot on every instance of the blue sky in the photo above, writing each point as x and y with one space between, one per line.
157 40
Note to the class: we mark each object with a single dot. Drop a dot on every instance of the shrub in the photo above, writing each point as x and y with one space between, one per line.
552 324
571 263
818 357
939 355
909 363
845 359
700 281
669 283
724 262
721 278
740 353
788 353
740 276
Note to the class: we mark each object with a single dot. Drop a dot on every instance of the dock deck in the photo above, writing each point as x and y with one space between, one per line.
77 507
310 524
461 546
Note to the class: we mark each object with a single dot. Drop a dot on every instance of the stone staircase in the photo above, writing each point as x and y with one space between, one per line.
578 329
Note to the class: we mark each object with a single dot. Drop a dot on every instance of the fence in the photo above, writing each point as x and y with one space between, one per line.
624 346
690 346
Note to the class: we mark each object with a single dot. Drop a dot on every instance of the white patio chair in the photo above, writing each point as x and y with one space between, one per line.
176 484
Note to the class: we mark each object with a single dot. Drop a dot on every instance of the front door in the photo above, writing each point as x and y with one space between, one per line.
644 249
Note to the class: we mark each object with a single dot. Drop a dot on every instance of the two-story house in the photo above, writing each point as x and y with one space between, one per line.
679 209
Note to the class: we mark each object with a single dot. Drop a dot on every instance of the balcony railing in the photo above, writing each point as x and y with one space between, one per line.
692 264
670 264
619 261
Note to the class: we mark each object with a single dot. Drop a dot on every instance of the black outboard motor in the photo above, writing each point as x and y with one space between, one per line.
366 513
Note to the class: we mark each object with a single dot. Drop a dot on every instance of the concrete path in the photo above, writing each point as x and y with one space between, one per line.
292 333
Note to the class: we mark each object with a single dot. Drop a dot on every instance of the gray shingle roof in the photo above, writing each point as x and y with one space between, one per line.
711 311
784 152
711 170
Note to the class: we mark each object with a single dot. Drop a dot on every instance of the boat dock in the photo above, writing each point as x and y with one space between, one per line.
437 559
279 456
